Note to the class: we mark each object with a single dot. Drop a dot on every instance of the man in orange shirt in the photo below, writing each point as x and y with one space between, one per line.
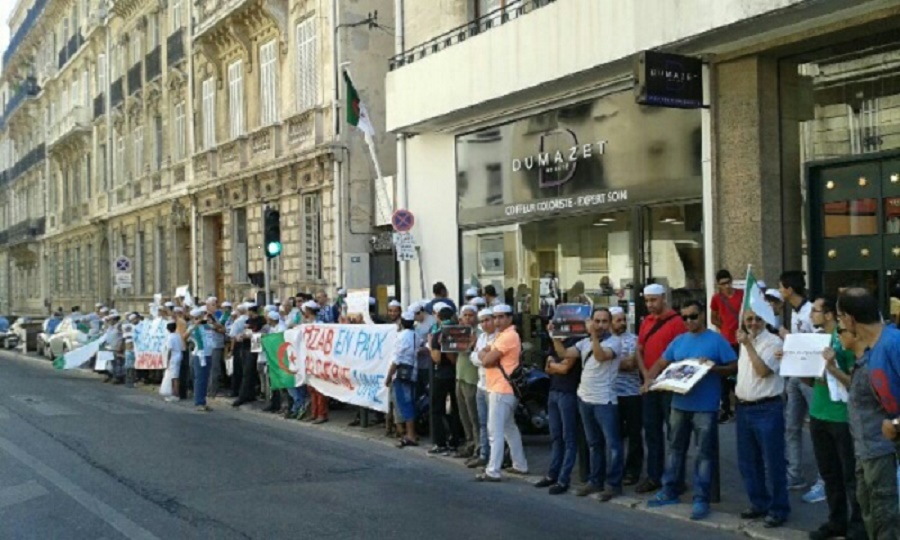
658 329
500 359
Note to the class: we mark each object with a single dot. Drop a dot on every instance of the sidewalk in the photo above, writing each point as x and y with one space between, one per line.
804 517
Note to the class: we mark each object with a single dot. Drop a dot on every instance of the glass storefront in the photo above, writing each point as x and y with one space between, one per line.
567 207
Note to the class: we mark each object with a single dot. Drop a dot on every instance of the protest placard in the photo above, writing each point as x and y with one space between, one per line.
456 339
803 355
151 344
358 303
347 362
570 320
680 377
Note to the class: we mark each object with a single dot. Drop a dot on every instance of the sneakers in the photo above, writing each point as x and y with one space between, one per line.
476 462
587 489
816 493
700 510
439 451
485 477
662 499
172 399
558 489
545 482
203 408
647 486
609 493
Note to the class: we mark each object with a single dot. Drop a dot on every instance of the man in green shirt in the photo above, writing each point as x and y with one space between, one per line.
830 432
467 387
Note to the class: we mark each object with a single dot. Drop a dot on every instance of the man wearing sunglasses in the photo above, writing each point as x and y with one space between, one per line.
760 423
695 412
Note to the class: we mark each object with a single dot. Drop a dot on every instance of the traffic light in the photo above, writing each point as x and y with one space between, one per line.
272 233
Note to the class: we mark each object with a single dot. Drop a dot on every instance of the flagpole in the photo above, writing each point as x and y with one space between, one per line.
746 298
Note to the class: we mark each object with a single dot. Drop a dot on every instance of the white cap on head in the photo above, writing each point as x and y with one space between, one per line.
439 306
408 316
178 309
169 305
416 307
132 316
468 307
478 301
485 313
196 312
761 284
501 309
98 305
113 313
342 292
211 299
471 292
616 310
104 310
774 293
654 289
274 315
310 304
394 303
227 304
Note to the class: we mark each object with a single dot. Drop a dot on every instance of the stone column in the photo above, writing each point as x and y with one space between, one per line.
757 166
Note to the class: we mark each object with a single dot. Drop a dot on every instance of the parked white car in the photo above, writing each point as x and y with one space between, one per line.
66 338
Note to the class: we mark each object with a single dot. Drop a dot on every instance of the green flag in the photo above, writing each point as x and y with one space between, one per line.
279 356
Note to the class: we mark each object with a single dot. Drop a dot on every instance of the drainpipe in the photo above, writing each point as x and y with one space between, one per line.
402 192
338 200
709 259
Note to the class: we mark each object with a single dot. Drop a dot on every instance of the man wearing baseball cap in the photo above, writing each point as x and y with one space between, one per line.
657 331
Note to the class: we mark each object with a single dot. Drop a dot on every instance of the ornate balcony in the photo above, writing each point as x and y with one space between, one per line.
26 231
27 25
153 64
22 166
76 122
27 89
99 105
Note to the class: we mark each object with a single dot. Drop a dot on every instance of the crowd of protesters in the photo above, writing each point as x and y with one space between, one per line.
600 386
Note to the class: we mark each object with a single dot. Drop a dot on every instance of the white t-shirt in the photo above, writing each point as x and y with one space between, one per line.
176 346
484 340
752 387
598 378
801 319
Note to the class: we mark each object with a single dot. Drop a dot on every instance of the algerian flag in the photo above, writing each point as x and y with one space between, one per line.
282 359
80 357
755 300
357 115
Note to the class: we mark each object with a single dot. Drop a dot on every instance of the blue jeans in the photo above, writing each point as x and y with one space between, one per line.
201 378
796 412
481 403
705 427
298 394
601 428
760 449
562 408
656 429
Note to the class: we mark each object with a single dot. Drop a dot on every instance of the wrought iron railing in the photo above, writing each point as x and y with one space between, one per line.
175 47
153 64
134 78
28 88
510 12
27 161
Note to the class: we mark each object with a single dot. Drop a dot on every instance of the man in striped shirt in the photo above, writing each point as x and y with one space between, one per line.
628 390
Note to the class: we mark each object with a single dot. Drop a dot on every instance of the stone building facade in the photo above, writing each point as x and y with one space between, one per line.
157 131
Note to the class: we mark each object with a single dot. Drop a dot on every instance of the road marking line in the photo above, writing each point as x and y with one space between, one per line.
43 407
21 493
100 509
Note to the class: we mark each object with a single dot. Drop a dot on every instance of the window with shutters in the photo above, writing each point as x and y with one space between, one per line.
209 113
138 155
179 129
101 74
101 167
137 50
152 31
307 71
236 98
158 142
312 237
268 107
176 14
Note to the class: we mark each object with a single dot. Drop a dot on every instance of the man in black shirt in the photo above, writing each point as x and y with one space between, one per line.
444 365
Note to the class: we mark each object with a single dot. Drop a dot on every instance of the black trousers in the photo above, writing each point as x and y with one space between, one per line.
631 424
238 352
442 389
833 447
184 375
247 378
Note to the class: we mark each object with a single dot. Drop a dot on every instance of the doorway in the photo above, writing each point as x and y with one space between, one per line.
213 280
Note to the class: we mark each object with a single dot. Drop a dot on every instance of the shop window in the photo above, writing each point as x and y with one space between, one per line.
495 185
850 218
892 215
490 254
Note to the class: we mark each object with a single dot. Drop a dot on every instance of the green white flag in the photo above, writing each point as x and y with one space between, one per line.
755 300
357 114
80 357
282 361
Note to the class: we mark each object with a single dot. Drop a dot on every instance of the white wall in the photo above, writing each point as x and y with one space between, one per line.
431 169
566 37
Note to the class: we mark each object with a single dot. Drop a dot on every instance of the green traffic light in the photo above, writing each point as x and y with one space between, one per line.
273 249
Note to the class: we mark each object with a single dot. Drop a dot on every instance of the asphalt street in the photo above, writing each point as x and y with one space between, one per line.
83 460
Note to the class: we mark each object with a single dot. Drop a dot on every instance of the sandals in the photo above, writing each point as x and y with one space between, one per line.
404 442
